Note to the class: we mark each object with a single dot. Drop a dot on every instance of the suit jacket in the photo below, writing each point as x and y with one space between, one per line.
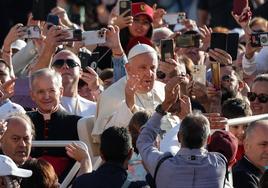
246 175
61 126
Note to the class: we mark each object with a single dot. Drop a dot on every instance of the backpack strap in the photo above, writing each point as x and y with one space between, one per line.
159 164
126 184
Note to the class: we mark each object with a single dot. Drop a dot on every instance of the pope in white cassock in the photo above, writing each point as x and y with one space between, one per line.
138 91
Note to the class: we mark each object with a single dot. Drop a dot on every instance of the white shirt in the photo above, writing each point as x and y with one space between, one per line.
170 141
78 106
257 64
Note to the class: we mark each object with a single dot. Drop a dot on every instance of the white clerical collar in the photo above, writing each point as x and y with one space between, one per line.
47 116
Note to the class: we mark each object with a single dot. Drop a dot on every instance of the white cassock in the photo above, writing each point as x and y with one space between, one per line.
112 109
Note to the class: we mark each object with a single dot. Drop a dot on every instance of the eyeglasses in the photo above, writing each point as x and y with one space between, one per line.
263 98
60 62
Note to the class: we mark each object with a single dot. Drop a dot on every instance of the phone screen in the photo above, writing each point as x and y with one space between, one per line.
232 44
41 8
218 40
167 49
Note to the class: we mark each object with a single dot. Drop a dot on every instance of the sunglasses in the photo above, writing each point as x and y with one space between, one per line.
60 62
262 98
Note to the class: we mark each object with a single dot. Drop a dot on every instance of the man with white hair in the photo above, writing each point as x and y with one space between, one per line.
139 90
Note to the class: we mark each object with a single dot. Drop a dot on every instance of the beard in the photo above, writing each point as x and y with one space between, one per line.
227 94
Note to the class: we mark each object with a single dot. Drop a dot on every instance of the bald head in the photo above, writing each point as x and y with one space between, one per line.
66 54
256 143
17 139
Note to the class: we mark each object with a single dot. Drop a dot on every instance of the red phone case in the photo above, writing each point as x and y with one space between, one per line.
239 5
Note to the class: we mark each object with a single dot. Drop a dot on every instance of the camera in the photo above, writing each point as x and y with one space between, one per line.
32 32
259 39
90 60
94 37
188 40
181 17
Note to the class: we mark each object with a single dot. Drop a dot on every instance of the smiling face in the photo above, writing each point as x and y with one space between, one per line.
259 87
143 68
17 140
46 93
140 26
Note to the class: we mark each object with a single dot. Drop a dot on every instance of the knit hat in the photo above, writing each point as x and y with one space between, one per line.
225 143
142 8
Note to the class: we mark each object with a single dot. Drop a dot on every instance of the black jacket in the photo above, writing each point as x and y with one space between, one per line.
246 175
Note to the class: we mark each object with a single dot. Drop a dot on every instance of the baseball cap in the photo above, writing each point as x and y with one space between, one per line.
18 44
140 49
142 8
225 143
8 167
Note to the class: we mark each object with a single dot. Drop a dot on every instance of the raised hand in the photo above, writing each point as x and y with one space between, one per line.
158 16
220 56
122 20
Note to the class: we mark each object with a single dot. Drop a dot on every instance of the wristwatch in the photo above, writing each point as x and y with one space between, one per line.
160 110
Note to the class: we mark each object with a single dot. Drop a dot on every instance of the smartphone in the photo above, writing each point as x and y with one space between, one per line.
94 37
187 40
199 74
215 70
232 45
170 19
239 5
41 8
90 60
125 5
74 35
32 32
218 40
52 20
259 39
167 49
181 17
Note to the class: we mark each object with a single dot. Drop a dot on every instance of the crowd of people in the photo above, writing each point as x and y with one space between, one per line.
160 114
